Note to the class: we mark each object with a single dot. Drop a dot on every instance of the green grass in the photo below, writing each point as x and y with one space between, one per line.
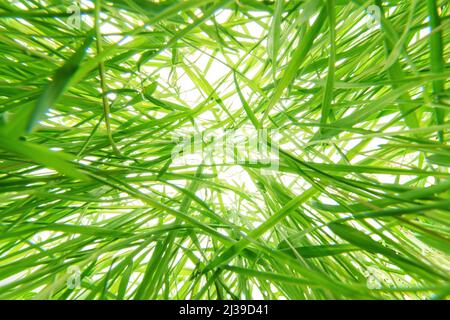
90 194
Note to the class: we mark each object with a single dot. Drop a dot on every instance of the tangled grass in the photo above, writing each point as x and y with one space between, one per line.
93 204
